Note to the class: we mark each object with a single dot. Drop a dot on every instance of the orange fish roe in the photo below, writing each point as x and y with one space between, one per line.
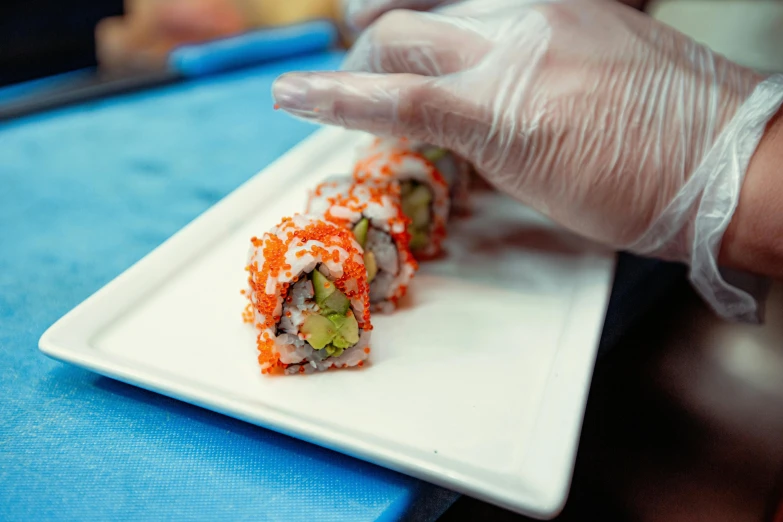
247 314
385 161
271 251
363 166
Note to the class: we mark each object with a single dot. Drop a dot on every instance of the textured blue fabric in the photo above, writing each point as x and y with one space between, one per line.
84 193
253 48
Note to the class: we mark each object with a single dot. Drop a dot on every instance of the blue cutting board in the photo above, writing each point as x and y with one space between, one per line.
84 193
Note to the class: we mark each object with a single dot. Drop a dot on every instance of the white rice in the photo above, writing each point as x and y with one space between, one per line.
382 246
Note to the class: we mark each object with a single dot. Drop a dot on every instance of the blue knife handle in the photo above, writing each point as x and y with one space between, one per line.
252 48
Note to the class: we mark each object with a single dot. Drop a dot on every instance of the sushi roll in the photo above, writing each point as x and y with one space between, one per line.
457 171
373 212
309 297
424 193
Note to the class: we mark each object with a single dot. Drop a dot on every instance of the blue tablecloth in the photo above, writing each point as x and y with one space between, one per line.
84 193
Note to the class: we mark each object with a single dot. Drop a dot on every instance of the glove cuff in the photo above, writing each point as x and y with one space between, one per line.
692 226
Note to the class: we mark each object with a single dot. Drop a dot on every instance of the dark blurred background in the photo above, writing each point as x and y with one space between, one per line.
44 37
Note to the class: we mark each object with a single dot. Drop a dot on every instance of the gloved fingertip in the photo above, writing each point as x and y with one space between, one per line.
349 18
290 92
360 101
352 15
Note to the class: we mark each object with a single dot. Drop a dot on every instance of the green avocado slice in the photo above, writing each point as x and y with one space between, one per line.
421 195
338 320
416 205
334 351
331 332
360 231
434 154
420 216
337 302
327 296
322 287
348 334
371 265
319 330
335 328
419 239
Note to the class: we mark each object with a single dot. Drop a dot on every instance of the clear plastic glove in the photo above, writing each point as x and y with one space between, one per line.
615 126
360 13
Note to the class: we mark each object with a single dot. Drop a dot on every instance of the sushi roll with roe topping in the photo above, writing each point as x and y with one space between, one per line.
374 214
424 193
309 297
457 171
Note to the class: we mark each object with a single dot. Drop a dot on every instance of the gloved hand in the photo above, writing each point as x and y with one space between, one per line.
360 13
615 126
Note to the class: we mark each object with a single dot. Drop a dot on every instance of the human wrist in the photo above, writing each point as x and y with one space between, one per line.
753 241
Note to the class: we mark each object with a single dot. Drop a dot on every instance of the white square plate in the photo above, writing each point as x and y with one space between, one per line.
478 383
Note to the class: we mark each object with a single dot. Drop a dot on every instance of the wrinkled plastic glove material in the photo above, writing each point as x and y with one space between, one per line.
615 126
360 13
